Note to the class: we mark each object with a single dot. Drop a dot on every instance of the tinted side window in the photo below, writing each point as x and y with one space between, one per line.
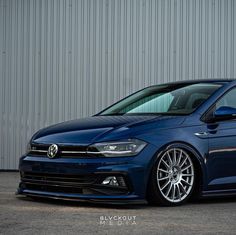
228 99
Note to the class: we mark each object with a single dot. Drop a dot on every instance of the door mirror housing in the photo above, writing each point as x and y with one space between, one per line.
224 113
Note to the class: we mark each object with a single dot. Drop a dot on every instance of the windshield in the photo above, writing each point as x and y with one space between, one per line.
172 99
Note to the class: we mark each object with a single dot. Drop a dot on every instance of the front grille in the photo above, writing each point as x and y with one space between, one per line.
63 151
81 184
68 180
56 182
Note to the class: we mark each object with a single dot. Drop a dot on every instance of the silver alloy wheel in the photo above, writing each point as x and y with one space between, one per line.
175 175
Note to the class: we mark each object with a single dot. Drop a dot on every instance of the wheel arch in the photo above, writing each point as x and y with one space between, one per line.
197 159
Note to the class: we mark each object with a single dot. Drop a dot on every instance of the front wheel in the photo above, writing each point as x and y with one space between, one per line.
172 179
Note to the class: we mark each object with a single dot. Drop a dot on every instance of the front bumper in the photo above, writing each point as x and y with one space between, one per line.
81 179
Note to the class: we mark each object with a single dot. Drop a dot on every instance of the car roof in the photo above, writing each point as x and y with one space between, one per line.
204 81
213 81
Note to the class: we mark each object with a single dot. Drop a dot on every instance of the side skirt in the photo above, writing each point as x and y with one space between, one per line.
219 193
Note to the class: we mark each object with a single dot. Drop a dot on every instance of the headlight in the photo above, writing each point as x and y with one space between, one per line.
129 147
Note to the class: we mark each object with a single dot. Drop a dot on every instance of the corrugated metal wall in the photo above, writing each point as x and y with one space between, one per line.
63 59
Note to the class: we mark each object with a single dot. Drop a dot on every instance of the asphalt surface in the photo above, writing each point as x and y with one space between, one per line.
21 215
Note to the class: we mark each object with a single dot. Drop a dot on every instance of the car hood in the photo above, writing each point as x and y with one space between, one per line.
93 129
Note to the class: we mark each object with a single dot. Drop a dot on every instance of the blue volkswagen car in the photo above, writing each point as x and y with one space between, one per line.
163 144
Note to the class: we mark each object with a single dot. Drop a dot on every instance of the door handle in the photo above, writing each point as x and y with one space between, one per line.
201 134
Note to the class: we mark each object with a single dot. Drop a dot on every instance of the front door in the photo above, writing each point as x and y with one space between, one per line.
221 163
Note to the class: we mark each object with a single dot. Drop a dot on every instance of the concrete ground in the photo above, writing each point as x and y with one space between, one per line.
21 215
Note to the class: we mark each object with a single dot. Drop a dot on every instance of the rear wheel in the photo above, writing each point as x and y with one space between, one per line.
172 179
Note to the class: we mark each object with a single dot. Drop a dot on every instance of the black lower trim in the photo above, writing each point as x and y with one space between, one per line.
97 201
9 170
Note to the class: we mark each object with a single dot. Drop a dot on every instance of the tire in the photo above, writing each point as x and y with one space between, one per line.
172 178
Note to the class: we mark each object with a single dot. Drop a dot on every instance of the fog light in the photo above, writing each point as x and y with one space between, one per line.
114 181
111 180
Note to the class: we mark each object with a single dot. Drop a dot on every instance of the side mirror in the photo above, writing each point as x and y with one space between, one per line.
225 113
